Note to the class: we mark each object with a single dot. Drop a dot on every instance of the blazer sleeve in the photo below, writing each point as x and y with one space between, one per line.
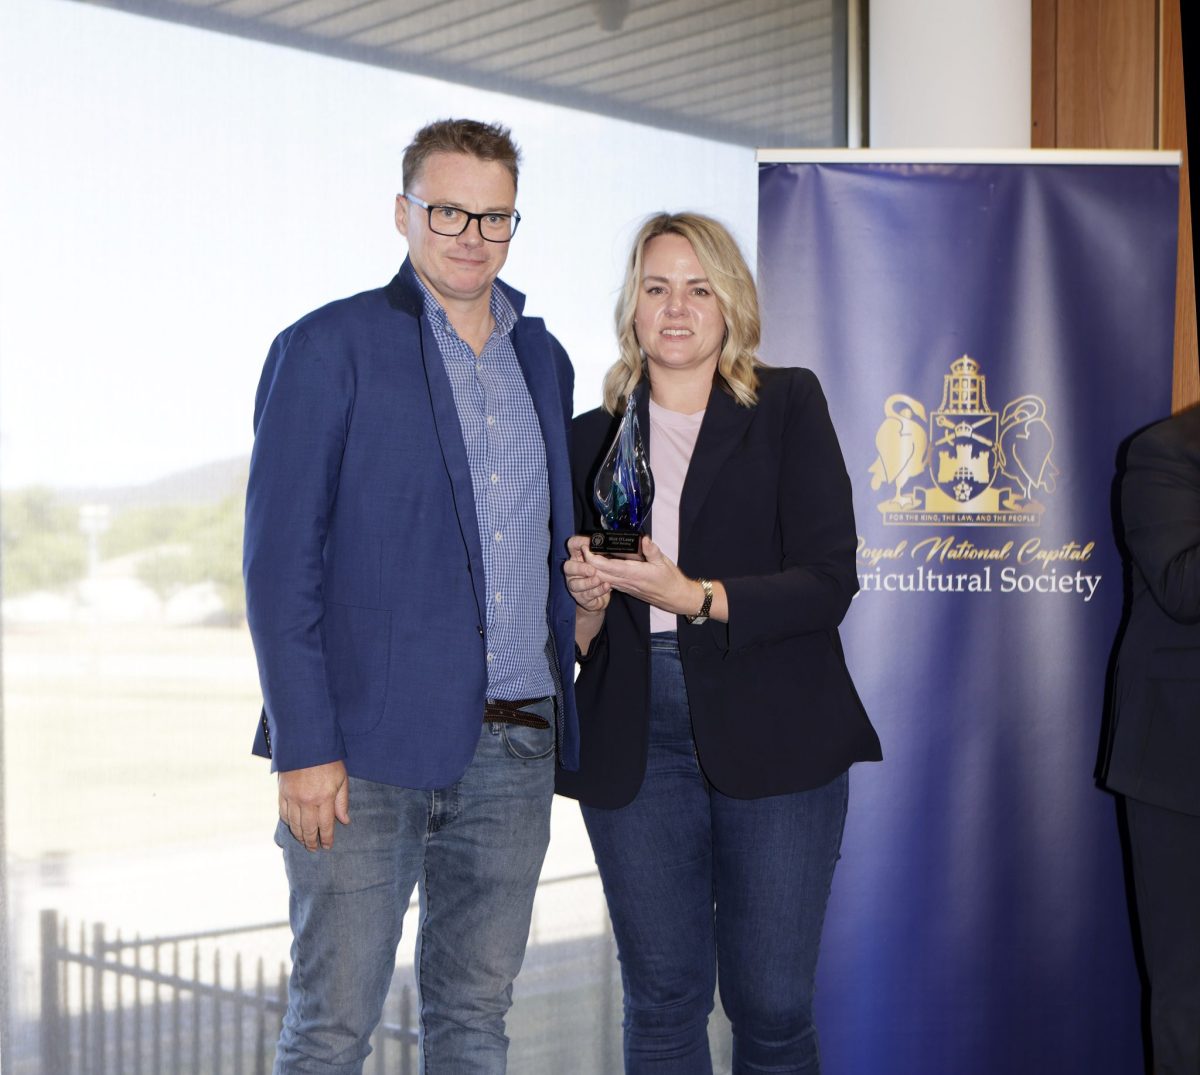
816 579
588 433
566 382
300 422
1160 504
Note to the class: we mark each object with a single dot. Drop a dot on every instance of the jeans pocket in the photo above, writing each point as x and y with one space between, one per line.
527 744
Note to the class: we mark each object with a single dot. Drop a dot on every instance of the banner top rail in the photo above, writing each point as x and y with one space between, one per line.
969 156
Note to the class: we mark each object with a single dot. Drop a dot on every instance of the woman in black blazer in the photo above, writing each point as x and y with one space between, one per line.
718 717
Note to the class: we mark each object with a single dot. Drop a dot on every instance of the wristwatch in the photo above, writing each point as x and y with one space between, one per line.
702 615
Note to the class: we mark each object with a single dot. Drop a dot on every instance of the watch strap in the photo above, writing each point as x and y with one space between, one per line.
706 607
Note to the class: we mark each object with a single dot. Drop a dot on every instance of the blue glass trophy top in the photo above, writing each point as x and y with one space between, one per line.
624 488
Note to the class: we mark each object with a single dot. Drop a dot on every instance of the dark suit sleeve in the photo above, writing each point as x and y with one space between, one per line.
300 421
1160 503
588 432
817 577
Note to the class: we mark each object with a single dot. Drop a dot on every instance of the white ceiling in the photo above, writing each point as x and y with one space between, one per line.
754 72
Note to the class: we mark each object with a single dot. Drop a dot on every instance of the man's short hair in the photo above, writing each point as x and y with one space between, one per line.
486 141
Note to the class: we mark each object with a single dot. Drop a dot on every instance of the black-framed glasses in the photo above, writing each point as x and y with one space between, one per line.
450 220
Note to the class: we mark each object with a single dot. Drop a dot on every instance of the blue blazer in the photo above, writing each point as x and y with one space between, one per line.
363 567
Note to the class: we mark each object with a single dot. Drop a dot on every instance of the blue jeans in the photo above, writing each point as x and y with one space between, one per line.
695 879
476 849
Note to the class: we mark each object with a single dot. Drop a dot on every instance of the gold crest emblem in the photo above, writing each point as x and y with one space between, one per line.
963 463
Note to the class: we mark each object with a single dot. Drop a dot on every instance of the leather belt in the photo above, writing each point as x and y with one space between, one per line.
504 712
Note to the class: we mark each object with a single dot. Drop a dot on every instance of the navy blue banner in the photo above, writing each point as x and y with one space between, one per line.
986 334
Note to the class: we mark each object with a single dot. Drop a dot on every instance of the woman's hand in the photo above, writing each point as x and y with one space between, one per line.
591 592
653 579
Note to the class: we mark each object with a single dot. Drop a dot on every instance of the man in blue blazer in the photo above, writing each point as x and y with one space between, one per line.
407 515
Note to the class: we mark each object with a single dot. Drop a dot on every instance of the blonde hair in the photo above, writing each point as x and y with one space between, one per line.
737 299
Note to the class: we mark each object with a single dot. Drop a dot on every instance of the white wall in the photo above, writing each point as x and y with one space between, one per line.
949 73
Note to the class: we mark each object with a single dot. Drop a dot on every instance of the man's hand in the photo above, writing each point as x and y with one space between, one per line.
309 800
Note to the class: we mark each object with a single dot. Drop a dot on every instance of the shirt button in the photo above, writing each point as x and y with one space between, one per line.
495 478
498 536
499 597
490 658
491 419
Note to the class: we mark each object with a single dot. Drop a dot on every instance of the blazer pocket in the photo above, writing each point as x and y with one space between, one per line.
358 649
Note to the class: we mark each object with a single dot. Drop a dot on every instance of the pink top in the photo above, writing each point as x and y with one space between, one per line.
672 438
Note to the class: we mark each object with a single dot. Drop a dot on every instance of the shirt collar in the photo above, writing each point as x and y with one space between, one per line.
502 310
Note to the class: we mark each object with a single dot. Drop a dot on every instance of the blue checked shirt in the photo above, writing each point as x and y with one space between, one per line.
507 457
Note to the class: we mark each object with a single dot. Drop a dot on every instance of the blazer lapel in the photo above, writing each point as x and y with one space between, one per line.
454 454
724 425
541 379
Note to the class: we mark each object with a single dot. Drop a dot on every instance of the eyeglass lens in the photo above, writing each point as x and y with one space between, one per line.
447 220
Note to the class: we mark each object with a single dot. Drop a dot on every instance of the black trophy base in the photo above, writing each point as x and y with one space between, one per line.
616 542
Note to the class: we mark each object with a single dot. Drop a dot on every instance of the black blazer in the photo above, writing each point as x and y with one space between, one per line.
766 508
1155 746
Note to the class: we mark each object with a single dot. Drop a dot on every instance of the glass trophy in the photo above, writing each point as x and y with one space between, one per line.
624 489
